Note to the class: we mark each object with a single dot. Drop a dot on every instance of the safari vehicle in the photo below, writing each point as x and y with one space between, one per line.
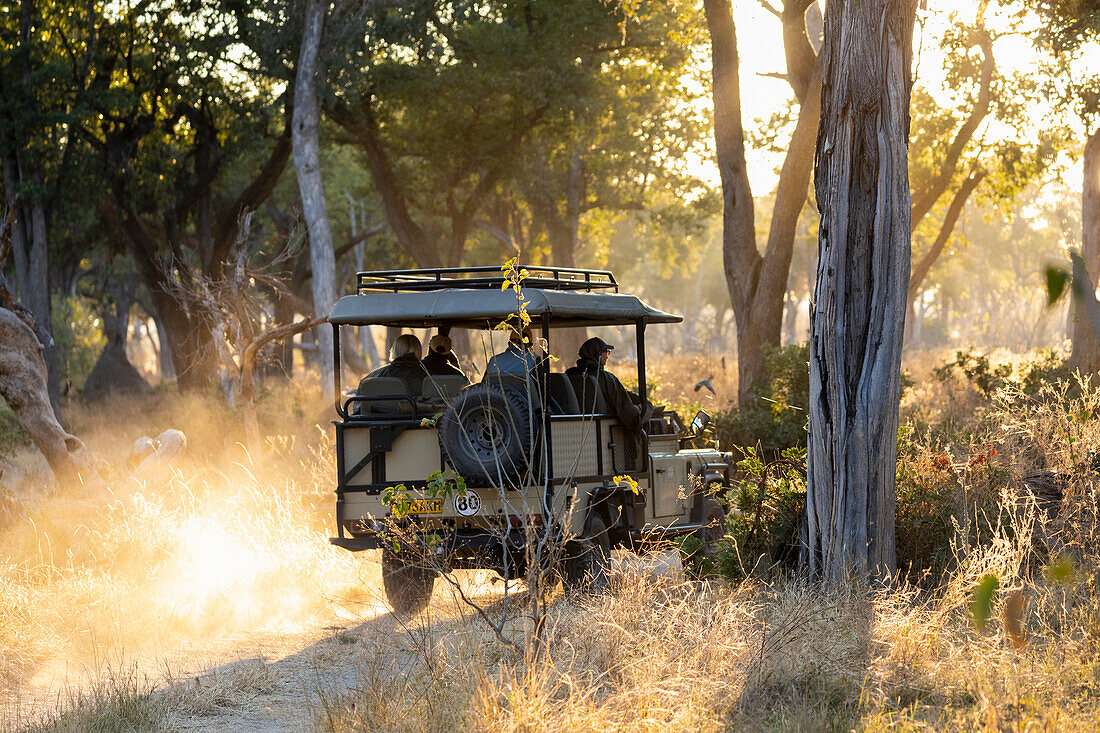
527 454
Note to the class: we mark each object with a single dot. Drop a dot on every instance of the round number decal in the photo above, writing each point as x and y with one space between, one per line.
468 504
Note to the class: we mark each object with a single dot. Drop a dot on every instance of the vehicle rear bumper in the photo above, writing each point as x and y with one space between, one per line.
451 541
356 544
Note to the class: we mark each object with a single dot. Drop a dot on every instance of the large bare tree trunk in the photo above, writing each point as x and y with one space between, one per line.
307 161
858 314
757 283
1086 341
23 386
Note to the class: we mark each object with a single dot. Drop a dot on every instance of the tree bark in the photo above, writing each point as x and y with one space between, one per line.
307 161
1086 341
18 232
858 314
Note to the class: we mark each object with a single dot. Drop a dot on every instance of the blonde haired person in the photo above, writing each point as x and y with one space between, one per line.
404 363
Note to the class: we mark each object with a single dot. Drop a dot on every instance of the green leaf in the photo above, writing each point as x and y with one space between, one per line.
981 602
1057 279
1060 572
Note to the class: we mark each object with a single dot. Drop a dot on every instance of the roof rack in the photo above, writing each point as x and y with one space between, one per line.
445 278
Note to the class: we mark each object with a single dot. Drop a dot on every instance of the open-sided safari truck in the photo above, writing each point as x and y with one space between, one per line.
473 474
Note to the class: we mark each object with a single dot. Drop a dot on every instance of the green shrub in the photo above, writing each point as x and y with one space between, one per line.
1028 377
925 505
78 334
766 505
775 418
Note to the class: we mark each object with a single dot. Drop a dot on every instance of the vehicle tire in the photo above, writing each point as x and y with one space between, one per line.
408 587
488 434
714 526
584 559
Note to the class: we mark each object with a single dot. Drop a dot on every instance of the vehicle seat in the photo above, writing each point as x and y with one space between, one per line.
563 398
518 382
381 387
588 390
442 388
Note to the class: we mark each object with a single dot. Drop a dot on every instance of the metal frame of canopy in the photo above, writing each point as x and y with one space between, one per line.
479 297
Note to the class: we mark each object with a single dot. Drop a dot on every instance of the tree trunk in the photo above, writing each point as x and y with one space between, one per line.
23 386
307 161
757 284
1086 341
18 232
563 233
113 373
740 258
37 293
858 313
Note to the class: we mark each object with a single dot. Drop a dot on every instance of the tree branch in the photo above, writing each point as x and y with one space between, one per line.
251 198
920 271
926 197
770 8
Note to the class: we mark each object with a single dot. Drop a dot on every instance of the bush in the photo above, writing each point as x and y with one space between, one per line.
1028 377
775 418
767 505
924 508
78 334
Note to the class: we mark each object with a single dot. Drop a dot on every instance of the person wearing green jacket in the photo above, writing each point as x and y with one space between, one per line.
594 354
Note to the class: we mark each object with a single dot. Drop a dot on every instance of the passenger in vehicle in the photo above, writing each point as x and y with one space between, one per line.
594 354
441 359
517 357
404 363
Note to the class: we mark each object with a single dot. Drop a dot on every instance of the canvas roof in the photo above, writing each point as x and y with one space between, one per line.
480 308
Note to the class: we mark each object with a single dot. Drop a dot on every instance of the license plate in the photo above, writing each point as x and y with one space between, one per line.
422 506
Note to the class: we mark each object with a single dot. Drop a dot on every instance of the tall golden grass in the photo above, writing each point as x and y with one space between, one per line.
227 544
167 570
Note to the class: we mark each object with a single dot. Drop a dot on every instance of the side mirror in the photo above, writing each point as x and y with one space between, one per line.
699 424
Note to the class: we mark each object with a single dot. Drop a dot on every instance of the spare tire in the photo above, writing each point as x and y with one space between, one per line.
488 434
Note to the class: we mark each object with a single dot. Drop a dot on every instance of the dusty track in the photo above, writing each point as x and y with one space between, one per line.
252 682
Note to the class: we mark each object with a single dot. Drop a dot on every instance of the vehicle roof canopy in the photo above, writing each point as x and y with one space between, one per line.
475 308
467 298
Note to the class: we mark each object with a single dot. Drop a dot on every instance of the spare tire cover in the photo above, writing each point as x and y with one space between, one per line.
488 434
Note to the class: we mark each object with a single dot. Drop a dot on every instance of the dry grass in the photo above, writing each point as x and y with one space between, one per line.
675 376
116 570
117 704
655 655
218 547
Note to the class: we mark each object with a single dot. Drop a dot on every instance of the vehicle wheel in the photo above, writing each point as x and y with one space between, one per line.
584 559
714 526
408 587
550 576
488 434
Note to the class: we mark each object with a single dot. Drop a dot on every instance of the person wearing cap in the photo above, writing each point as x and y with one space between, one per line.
592 362
441 359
